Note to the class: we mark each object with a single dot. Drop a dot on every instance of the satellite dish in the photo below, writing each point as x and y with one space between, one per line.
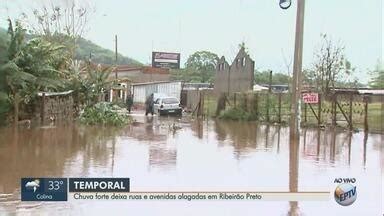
285 4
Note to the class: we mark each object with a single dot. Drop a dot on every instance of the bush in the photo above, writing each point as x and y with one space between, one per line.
104 114
5 108
237 114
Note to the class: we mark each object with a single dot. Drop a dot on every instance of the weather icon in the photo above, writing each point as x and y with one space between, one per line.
33 184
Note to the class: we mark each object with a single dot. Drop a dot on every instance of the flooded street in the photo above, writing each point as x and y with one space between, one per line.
167 154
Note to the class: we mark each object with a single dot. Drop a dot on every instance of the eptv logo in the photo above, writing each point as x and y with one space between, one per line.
345 192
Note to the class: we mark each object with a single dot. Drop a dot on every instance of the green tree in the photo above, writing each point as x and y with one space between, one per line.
277 78
97 82
202 66
88 82
378 77
185 75
28 68
330 65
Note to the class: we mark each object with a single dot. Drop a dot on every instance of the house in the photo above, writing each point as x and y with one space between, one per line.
128 75
237 77
141 74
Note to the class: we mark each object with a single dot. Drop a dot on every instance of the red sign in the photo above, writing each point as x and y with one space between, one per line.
311 98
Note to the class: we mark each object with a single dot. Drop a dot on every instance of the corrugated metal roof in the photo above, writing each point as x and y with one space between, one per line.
157 82
144 69
47 94
372 91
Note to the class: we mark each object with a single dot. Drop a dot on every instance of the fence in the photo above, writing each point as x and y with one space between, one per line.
348 110
54 106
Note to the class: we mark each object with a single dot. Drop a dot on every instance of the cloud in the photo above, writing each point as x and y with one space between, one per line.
32 184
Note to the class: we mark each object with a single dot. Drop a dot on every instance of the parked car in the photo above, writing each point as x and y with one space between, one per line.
167 106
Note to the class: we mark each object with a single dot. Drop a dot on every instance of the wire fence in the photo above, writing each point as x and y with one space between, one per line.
346 110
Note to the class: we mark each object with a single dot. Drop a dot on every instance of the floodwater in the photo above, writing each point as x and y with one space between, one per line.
196 156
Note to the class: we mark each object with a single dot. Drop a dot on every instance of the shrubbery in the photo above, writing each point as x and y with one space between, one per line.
237 114
104 114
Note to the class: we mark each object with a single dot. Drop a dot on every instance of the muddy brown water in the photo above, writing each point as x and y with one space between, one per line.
169 154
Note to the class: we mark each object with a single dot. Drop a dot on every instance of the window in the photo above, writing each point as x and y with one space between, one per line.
243 62
237 62
170 101
221 66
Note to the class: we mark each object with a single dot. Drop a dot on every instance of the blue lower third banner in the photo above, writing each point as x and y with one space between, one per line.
99 185
44 189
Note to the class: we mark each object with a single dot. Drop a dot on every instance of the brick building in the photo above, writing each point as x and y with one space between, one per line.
141 74
237 77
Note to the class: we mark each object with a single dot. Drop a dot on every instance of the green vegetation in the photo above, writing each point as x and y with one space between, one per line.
88 89
28 67
200 67
104 114
262 77
378 77
45 64
376 117
237 113
248 111
86 49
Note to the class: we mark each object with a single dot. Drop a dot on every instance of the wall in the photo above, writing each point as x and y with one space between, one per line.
59 107
142 91
222 77
238 77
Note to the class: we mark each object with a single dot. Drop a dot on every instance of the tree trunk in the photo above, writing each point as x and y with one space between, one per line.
16 109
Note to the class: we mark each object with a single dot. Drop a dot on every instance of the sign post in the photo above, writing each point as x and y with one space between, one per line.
166 60
310 98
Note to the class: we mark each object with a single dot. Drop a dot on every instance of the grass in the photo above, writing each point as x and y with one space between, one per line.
210 105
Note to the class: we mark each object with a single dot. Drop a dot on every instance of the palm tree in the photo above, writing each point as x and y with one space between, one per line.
98 81
16 77
29 67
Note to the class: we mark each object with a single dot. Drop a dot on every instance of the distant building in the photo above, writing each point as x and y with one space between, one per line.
282 88
193 86
237 77
128 75
257 87
141 74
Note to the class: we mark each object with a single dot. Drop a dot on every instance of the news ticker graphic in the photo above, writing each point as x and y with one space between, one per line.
58 189
204 196
62 189
44 189
99 185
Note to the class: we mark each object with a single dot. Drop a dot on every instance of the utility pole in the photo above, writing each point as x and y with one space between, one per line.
296 76
116 57
270 82
73 30
269 94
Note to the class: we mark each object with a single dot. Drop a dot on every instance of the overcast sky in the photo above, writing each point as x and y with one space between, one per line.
218 26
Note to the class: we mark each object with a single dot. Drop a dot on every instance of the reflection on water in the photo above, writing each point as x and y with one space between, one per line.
172 154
